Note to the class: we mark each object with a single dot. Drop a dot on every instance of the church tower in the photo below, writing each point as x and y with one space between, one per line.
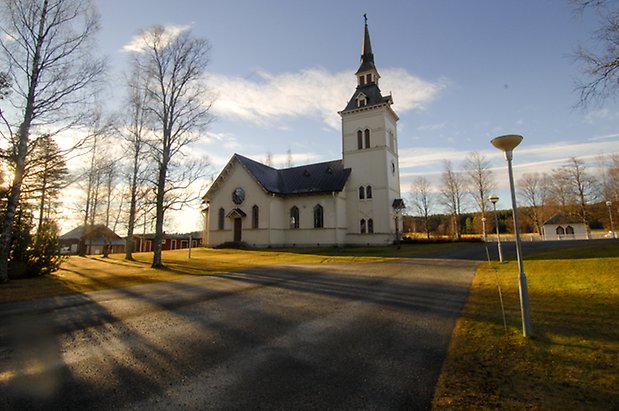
370 150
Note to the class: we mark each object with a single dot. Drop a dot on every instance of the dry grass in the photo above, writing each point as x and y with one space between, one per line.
572 361
83 274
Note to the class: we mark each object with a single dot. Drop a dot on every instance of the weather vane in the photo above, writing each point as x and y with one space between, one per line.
365 16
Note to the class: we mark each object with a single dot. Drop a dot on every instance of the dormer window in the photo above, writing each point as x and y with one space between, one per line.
362 100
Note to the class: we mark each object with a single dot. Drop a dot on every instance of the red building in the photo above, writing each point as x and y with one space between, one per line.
169 242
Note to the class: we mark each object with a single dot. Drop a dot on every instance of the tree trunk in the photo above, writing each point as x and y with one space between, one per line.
161 181
130 243
22 149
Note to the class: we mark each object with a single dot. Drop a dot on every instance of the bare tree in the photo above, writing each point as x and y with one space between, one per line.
422 201
583 186
289 158
134 133
559 192
46 46
480 182
601 67
610 177
531 188
173 67
452 193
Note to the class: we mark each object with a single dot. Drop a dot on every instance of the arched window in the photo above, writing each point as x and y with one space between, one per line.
255 215
370 226
362 226
560 230
368 192
294 217
318 217
361 193
220 219
569 230
359 140
367 138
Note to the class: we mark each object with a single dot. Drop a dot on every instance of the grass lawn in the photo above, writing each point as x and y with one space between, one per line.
573 360
92 273
82 274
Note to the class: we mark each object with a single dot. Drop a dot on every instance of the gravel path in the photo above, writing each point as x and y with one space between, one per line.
358 336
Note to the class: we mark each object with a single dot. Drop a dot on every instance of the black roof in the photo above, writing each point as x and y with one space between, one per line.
372 95
327 177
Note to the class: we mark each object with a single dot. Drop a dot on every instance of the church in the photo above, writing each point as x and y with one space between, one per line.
352 201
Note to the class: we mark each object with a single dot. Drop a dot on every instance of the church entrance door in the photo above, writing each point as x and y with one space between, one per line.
238 228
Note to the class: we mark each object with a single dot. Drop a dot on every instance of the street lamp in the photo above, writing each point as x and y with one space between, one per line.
483 228
610 217
507 144
493 199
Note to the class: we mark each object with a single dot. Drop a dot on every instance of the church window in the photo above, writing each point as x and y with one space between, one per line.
569 230
359 140
294 217
560 230
368 192
370 226
362 226
361 193
369 78
367 138
318 217
255 215
362 80
392 168
220 219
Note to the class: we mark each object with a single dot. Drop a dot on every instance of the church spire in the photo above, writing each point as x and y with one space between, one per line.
367 93
367 57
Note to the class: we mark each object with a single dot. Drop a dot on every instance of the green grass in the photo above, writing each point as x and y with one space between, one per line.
572 362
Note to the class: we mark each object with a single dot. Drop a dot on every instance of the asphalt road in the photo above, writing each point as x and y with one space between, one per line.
359 336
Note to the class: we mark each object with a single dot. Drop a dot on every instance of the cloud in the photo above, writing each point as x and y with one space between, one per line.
139 42
313 92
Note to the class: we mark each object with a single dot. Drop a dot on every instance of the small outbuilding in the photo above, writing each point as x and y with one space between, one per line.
562 226
94 237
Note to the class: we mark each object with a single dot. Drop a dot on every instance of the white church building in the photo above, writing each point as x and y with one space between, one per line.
355 200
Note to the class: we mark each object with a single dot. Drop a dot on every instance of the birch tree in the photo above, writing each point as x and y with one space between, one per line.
422 201
174 64
46 47
480 182
452 193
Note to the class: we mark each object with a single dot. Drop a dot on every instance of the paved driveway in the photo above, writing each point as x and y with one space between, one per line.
359 336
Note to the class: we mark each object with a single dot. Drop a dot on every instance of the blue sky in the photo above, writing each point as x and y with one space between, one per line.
461 73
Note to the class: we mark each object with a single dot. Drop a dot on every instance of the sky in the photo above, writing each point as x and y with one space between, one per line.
461 73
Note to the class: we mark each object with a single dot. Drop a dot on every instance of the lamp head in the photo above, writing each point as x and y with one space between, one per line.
609 203
507 142
493 198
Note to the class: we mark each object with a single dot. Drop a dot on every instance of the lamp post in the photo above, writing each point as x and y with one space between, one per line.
507 143
493 199
483 228
610 217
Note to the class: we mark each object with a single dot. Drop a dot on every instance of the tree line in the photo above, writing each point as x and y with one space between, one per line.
584 192
135 160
